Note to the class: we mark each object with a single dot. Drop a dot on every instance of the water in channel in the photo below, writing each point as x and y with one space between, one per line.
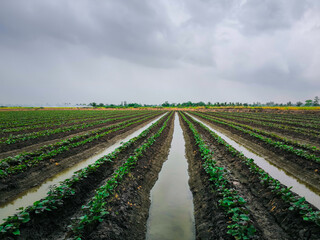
28 197
171 211
297 187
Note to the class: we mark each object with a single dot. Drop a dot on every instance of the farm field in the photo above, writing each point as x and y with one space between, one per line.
270 190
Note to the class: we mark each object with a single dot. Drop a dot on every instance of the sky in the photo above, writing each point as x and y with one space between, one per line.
83 51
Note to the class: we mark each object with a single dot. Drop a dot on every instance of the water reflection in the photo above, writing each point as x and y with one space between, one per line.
171 211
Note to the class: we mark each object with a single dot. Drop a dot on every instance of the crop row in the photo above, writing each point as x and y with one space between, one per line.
277 144
295 202
17 118
240 226
96 208
58 123
272 135
272 120
25 137
306 132
283 116
21 162
57 196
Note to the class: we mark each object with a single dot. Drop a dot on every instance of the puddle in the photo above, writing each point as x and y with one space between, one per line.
34 194
297 187
171 214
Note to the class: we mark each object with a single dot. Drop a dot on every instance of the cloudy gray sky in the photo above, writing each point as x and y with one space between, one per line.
152 51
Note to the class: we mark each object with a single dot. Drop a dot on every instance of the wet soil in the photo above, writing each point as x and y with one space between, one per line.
56 222
130 211
17 148
269 212
66 124
16 184
307 171
306 138
210 219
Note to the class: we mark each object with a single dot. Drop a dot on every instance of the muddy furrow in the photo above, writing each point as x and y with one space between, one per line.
57 221
270 213
129 209
16 184
210 219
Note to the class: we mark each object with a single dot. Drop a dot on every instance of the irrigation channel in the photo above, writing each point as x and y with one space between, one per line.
34 194
171 211
289 181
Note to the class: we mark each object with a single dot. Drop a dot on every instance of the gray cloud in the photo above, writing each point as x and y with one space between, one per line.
109 51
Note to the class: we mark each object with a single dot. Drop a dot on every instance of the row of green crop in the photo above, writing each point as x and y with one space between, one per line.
272 135
96 208
58 123
240 225
42 117
282 116
20 163
66 190
264 118
22 118
295 202
277 144
304 131
28 136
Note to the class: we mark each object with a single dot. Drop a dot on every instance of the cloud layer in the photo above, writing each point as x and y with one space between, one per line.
153 51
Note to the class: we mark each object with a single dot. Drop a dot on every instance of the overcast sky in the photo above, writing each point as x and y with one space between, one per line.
79 51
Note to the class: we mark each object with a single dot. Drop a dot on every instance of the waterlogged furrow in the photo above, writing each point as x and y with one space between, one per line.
20 163
240 224
95 210
307 147
289 129
68 189
25 137
276 144
309 216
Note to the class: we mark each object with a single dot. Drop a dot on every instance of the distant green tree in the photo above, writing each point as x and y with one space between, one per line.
299 104
316 101
93 104
166 104
308 103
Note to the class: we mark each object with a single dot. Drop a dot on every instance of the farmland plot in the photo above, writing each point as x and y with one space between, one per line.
233 196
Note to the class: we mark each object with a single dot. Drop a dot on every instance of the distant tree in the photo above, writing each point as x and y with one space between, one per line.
308 103
101 105
289 103
316 101
299 104
166 104
93 104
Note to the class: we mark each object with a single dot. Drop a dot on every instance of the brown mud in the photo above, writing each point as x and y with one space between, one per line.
16 184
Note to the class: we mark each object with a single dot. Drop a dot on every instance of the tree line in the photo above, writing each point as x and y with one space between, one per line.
124 104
